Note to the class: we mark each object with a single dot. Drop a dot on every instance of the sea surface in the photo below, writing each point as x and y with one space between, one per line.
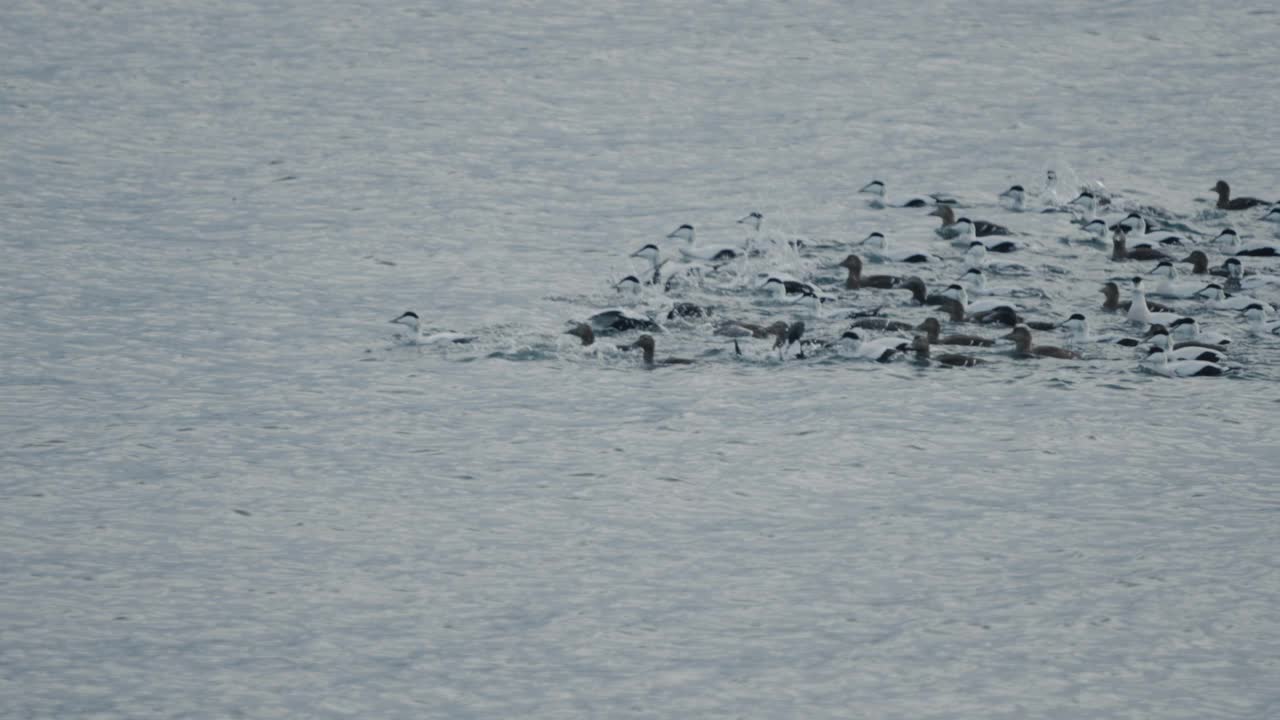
227 492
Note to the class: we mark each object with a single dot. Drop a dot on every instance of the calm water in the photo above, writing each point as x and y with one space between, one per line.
227 493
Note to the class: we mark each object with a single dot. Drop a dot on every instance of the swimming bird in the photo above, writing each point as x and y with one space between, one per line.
920 344
1077 327
933 332
1232 244
616 320
975 282
1157 360
1158 329
876 189
1013 198
1140 312
1139 233
919 292
1226 202
679 273
715 256
1096 227
995 243
645 343
1258 322
1002 315
1216 298
1121 251
1200 264
952 228
855 280
1111 301
976 257
629 285
1159 337
786 290
1021 337
878 249
1096 233
752 221
410 320
957 292
1188 328
1087 203
1168 285
583 332
855 344
1240 279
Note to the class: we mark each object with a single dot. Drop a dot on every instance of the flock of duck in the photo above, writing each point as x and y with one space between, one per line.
774 299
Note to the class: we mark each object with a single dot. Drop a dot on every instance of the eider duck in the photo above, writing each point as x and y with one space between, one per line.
1013 198
1159 338
953 228
878 249
629 285
932 329
645 343
1140 312
876 190
1120 250
1188 328
1216 298
1021 337
856 281
1157 360
583 332
1168 285
1137 230
616 320
410 320
920 344
854 344
717 256
1111 301
1077 327
1258 322
1233 244
1226 202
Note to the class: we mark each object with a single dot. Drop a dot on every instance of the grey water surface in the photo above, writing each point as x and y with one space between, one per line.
227 492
